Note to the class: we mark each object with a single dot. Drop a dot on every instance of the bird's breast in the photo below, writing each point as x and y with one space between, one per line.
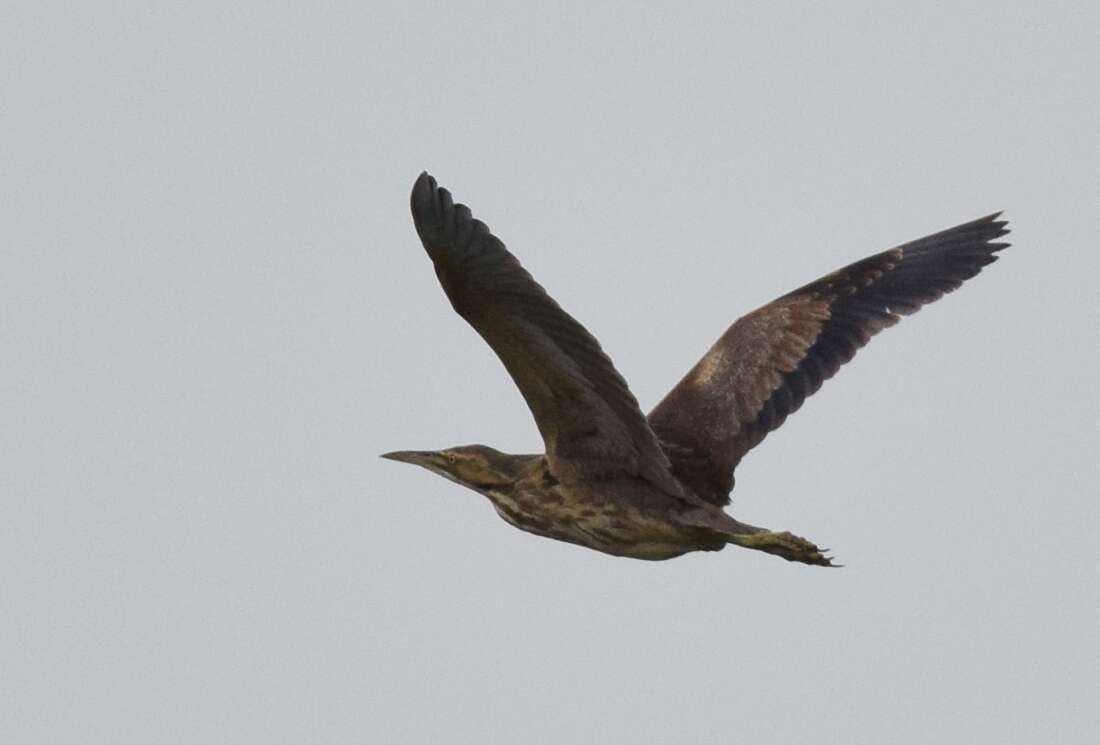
603 524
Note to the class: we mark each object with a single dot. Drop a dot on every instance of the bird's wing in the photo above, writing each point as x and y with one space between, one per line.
768 362
589 420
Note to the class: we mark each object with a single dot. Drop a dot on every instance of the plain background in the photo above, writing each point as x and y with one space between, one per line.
216 314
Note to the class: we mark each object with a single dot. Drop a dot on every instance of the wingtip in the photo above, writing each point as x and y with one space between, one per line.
997 222
424 185
425 192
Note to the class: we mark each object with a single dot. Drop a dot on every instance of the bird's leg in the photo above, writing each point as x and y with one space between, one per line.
787 545
791 547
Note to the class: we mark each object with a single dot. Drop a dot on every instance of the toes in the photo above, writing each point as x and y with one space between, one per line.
789 546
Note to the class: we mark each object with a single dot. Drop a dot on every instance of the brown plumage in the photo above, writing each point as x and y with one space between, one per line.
616 481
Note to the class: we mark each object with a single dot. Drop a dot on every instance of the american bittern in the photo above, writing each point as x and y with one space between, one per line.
615 480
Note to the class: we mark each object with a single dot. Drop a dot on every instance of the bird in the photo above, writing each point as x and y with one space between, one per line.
654 486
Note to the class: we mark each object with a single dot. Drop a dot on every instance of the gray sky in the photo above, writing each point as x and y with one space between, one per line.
216 314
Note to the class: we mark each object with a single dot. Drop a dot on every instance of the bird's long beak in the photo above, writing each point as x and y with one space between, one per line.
416 457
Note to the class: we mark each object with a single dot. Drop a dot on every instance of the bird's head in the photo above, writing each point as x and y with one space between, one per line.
477 466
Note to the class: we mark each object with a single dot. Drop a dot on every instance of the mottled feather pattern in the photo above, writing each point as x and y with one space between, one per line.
589 420
768 362
615 481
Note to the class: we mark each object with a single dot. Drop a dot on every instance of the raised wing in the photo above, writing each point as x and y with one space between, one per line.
589 420
768 362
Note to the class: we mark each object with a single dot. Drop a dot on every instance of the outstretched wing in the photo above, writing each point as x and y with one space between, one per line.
589 420
768 362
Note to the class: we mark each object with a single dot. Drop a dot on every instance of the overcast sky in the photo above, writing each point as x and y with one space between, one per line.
216 314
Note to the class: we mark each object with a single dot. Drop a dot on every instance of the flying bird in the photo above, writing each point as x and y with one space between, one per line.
653 487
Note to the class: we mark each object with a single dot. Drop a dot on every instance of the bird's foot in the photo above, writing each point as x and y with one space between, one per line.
791 547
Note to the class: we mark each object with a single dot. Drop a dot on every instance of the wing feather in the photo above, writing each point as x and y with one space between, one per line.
768 362
587 416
